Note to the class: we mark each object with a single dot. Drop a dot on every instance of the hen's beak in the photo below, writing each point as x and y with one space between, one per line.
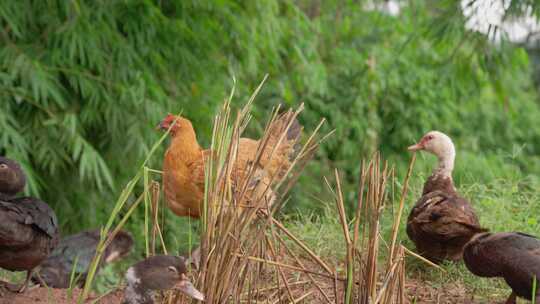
187 288
416 147
161 126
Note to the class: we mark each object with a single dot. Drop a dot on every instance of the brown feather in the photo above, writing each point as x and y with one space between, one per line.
442 222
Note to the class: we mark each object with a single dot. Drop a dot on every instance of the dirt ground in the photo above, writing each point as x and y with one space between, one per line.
54 296
451 294
420 292
301 287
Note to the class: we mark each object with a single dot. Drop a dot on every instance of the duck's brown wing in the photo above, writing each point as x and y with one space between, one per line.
15 226
39 214
440 224
523 241
514 256
28 233
20 217
520 245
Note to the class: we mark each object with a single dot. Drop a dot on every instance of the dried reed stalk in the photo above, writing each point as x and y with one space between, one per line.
300 269
364 271
304 269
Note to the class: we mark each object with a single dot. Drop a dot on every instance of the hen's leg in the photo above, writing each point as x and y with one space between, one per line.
511 299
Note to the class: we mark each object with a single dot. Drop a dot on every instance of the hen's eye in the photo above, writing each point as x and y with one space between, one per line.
172 269
3 166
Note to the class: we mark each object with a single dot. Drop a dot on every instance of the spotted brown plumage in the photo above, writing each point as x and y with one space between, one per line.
28 230
441 222
513 256
440 225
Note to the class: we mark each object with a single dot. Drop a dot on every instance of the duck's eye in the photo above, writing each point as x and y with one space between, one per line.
172 269
430 137
3 166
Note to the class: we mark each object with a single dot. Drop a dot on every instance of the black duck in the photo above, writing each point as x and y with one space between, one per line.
513 256
28 226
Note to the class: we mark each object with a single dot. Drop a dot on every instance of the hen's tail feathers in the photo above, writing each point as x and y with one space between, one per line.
294 130
290 141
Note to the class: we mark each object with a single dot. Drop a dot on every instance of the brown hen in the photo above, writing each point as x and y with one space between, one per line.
184 163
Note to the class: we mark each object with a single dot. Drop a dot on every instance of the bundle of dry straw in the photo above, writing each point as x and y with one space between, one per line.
238 242
368 282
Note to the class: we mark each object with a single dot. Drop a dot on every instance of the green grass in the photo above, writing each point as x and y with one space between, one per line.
323 234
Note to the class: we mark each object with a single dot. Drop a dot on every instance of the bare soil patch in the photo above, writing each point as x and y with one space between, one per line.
417 292
54 296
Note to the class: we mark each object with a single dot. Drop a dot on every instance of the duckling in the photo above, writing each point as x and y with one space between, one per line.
77 251
442 221
514 256
28 226
160 272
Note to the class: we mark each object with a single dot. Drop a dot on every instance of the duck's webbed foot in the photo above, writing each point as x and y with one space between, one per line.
24 286
19 288
511 299
3 288
6 286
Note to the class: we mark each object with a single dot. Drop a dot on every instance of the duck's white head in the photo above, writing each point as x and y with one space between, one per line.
440 145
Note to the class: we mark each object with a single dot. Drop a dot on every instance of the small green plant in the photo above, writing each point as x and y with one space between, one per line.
73 277
534 296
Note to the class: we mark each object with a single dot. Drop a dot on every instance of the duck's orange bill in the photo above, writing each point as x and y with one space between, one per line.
415 147
187 288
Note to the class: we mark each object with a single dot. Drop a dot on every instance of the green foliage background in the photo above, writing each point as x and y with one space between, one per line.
83 83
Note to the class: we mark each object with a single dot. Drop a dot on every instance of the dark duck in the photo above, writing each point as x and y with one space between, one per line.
75 253
158 273
28 226
442 221
513 256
